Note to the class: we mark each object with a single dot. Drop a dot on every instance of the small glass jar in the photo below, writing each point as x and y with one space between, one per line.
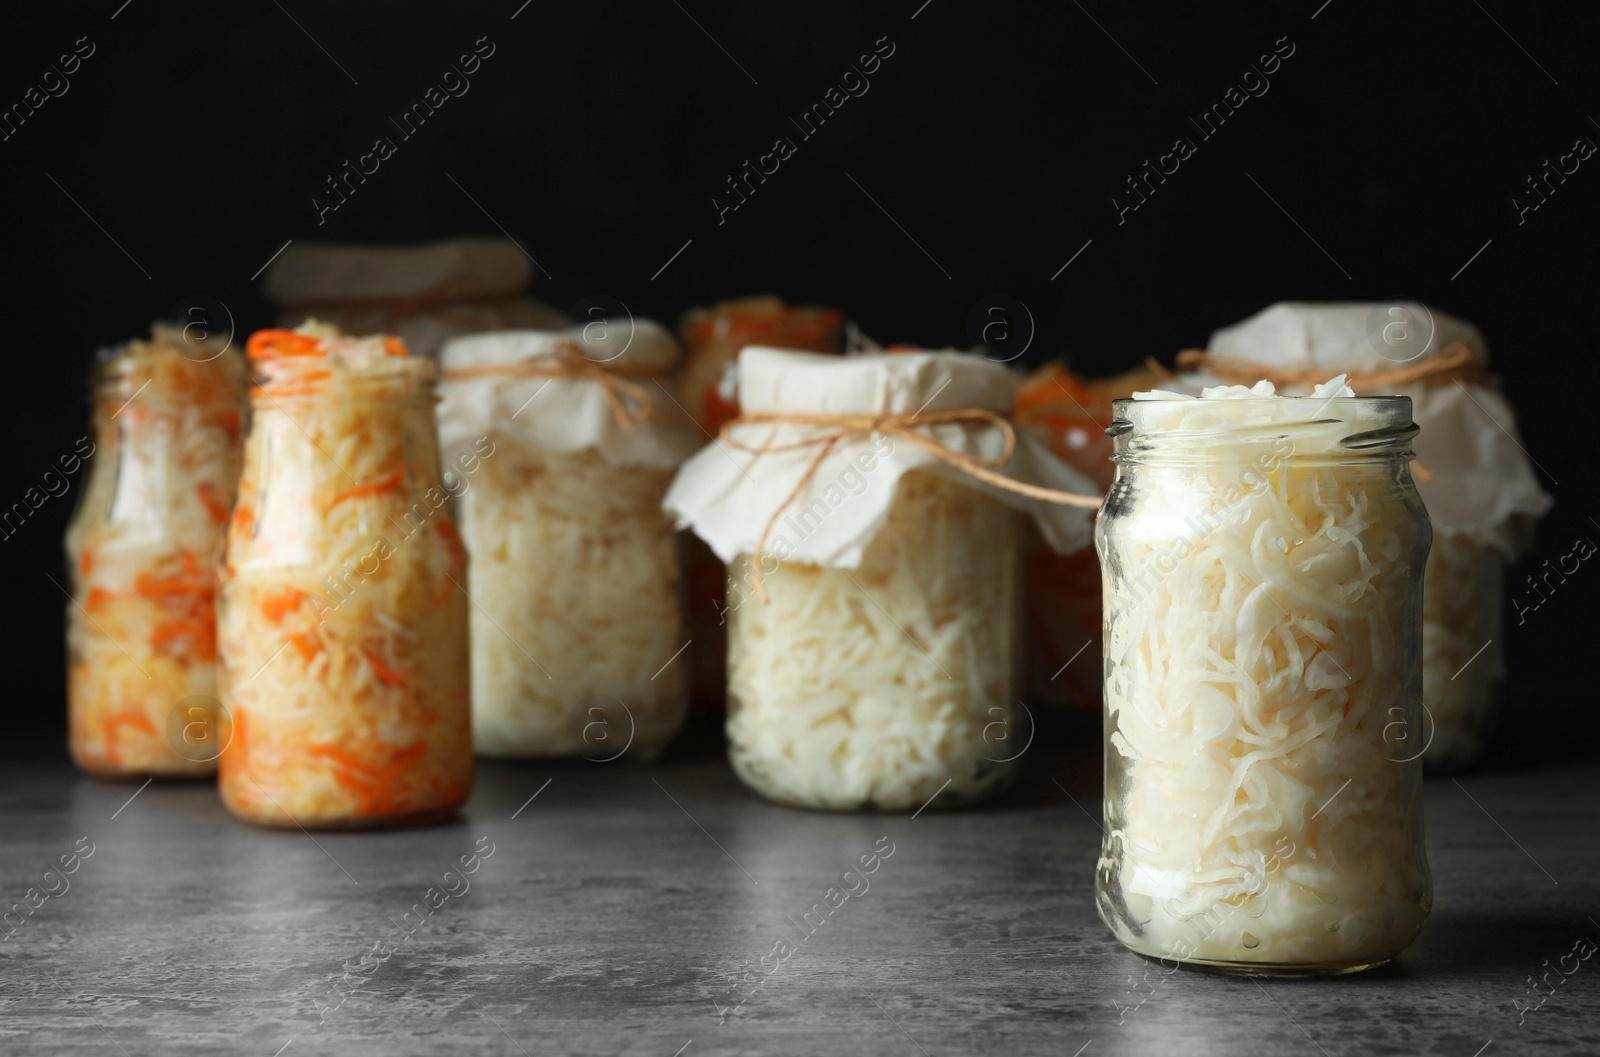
889 684
167 419
342 623
577 631
1263 563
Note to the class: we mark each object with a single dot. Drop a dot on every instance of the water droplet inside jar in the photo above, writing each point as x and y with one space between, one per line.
1333 926
1249 940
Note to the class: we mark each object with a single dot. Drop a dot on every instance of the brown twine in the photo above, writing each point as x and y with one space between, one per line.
566 360
837 427
1455 360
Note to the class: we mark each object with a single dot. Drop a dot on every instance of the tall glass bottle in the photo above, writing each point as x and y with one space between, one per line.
342 618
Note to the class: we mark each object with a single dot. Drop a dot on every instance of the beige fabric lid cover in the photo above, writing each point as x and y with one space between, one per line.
425 294
1469 442
318 272
727 495
567 414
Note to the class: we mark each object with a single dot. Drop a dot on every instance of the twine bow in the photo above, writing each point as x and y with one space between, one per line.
833 428
1453 361
566 360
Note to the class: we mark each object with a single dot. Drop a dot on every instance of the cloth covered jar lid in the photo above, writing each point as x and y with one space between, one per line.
606 388
1476 476
727 494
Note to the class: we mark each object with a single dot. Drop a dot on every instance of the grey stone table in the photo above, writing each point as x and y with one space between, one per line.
608 908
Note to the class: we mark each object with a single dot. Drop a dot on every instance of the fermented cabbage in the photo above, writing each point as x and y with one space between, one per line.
881 685
342 629
141 637
1463 664
575 575
1262 683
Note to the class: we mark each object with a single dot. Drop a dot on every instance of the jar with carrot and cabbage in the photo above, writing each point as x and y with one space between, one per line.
342 615
167 419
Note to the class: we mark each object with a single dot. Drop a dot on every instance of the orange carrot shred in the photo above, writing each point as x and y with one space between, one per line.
390 483
208 499
382 670
98 597
308 645
115 722
166 637
276 607
267 344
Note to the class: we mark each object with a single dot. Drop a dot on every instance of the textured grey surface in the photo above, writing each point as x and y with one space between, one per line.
608 917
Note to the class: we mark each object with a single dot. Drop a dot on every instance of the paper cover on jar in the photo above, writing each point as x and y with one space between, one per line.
1476 476
545 389
727 495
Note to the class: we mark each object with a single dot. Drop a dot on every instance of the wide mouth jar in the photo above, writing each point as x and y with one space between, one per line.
1305 430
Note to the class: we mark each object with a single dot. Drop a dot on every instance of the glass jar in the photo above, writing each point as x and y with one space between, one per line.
884 685
342 623
577 631
1263 563
1463 658
141 636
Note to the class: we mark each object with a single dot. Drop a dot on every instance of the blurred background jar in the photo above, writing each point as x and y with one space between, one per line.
167 423
1481 488
564 443
342 623
874 594
424 294
1263 663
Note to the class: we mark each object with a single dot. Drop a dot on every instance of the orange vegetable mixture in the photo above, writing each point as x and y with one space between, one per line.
342 633
141 678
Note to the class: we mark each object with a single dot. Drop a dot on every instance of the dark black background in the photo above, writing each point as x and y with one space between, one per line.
995 134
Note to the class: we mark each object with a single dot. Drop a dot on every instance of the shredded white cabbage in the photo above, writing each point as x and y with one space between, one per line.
1463 664
875 686
575 576
1261 626
168 420
342 633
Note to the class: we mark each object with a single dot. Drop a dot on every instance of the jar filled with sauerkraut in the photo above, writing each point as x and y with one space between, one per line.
1481 488
869 510
168 417
342 620
577 633
1263 561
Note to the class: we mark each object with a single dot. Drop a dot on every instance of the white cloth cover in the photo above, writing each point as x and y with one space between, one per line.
567 414
726 495
1469 442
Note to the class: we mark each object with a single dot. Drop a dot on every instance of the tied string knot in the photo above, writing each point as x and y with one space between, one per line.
1455 360
630 404
832 428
